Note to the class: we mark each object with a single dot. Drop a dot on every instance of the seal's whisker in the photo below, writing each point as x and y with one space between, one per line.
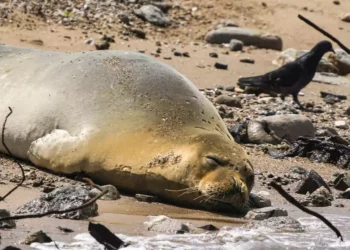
178 190
200 197
188 192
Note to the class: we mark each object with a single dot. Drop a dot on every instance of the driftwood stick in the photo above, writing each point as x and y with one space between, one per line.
10 154
30 216
293 201
324 33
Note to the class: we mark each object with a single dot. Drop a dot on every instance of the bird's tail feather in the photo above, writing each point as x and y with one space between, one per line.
255 81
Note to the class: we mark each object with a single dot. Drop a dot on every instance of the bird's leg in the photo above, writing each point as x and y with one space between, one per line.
296 100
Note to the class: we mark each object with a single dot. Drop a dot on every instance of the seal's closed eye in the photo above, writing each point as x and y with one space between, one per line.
216 161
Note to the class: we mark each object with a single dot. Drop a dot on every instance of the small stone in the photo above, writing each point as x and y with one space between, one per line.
213 55
112 194
236 45
164 224
8 223
229 101
347 111
139 33
186 54
259 200
321 197
209 227
37 42
176 53
38 237
336 2
265 213
341 124
38 182
230 88
221 66
247 60
346 194
104 45
146 198
65 230
346 17
48 189
270 175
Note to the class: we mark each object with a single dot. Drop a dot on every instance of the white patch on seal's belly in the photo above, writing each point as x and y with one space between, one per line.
59 151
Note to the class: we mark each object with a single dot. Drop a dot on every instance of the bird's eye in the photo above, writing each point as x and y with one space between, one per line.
215 161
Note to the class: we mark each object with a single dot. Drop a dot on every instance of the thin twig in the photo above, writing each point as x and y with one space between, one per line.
293 201
325 33
30 216
10 154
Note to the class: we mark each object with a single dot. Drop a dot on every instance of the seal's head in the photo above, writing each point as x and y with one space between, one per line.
221 171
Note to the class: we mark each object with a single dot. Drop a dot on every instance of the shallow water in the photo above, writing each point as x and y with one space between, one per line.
316 236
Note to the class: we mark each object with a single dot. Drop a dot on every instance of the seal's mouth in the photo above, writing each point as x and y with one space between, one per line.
224 187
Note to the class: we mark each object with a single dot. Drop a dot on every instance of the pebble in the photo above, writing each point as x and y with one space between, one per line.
164 224
236 45
247 60
346 194
229 101
112 194
213 55
341 124
39 237
265 213
6 224
221 66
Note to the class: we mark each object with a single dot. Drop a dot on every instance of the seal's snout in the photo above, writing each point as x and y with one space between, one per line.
224 185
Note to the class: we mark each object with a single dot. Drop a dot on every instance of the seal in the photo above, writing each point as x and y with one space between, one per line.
124 119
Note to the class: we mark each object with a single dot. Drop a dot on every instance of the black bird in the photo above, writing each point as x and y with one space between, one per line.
291 77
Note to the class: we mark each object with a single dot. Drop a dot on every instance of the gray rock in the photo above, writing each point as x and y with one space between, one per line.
265 213
347 111
247 36
236 45
341 60
321 197
154 15
259 200
61 199
277 224
103 45
112 195
290 54
346 17
342 182
310 183
332 79
39 237
164 224
6 224
288 127
229 101
346 194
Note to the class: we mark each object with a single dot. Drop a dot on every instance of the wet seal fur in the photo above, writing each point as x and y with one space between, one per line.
126 120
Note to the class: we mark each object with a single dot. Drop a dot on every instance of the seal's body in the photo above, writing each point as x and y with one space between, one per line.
123 118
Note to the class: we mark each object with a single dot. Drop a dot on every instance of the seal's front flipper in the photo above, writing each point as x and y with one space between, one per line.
59 151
